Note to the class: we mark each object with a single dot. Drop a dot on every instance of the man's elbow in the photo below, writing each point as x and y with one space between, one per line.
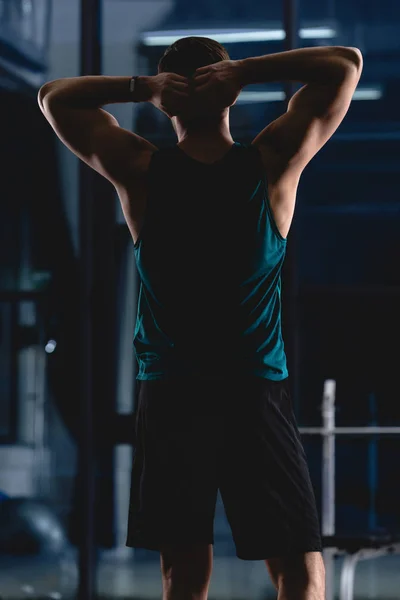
43 94
355 58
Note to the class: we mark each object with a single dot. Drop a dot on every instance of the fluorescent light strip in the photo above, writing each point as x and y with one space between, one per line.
275 96
368 94
248 97
314 33
166 38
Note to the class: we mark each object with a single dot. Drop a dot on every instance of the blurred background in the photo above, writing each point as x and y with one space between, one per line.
59 391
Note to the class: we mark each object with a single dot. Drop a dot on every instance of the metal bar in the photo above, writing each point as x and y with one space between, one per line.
14 383
350 431
328 459
373 464
90 65
328 524
329 432
48 7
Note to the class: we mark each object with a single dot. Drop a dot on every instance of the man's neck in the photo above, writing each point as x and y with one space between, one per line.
205 143
206 150
204 134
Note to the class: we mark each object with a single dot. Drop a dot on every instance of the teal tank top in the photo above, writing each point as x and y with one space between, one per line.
209 260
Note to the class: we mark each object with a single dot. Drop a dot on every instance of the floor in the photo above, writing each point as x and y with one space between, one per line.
123 576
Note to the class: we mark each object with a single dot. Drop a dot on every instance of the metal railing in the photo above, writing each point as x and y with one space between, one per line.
329 431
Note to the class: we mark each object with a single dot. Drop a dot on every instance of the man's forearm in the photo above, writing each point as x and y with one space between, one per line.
306 65
94 91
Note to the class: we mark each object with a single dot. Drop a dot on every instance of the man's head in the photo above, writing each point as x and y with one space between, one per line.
185 56
190 53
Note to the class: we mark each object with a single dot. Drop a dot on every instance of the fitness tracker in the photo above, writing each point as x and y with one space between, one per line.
133 86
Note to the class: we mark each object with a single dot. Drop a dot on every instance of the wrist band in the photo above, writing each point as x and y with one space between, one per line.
133 85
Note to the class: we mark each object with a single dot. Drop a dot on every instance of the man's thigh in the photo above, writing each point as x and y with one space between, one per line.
174 479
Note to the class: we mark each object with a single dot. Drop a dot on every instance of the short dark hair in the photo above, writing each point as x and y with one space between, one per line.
190 53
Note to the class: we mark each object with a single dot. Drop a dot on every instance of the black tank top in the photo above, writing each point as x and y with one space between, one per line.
209 258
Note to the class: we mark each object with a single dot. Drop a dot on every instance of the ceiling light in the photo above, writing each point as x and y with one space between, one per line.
278 96
166 38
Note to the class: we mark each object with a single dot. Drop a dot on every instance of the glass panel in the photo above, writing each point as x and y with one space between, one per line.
347 224
38 409
24 21
348 218
37 459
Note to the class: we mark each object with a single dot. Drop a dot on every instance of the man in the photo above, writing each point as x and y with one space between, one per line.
209 218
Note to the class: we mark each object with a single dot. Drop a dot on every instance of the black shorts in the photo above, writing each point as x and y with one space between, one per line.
195 436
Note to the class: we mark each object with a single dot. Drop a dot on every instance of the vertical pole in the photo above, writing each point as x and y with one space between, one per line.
329 481
328 455
373 463
290 279
90 65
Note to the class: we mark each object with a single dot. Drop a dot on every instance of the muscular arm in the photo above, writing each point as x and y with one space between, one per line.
330 75
73 108
307 65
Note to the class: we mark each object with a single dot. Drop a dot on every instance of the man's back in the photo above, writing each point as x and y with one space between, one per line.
209 256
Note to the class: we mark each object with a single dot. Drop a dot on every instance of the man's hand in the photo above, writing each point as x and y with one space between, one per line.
169 92
211 89
219 84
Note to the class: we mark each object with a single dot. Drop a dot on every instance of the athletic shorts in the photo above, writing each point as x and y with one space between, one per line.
194 437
